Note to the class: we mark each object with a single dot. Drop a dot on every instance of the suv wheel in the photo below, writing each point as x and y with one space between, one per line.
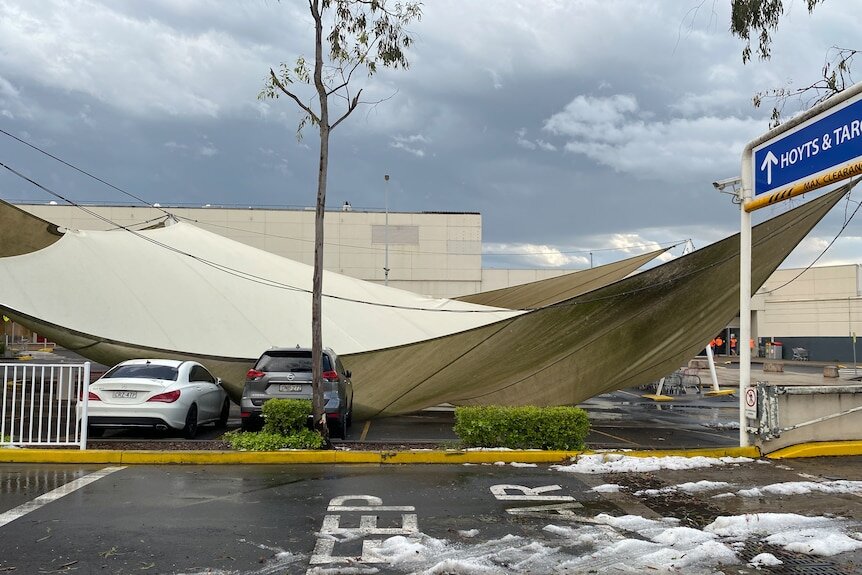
339 430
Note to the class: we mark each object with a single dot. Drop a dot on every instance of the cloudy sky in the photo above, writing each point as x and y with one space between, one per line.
571 125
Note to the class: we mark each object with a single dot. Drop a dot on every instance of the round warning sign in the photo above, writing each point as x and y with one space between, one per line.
751 403
750 397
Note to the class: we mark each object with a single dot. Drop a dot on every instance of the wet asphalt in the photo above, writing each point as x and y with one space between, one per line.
265 519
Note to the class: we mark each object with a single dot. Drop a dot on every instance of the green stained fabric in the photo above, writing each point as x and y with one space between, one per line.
624 334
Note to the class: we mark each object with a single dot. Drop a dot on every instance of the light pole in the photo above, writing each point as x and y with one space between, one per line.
386 230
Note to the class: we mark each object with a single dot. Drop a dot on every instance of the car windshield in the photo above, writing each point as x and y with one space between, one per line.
295 361
143 371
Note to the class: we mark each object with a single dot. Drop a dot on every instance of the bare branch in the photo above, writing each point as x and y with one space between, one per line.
836 76
353 104
293 96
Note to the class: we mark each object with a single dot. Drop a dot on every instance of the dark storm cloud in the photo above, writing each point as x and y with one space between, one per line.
569 125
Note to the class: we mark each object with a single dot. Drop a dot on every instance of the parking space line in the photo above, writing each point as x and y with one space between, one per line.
365 430
45 498
710 433
594 430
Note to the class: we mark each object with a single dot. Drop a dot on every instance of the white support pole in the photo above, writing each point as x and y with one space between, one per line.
744 308
711 361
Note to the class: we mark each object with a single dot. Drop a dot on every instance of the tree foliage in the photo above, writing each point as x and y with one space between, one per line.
760 19
363 34
358 35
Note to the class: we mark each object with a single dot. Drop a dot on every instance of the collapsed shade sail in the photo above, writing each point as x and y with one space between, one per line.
624 334
185 293
554 290
183 289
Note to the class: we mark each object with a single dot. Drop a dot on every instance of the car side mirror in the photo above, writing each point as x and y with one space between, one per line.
347 373
218 381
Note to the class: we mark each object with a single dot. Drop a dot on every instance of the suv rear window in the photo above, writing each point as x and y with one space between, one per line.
295 361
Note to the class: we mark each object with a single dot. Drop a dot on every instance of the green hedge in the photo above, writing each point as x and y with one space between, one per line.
265 441
553 428
285 427
286 416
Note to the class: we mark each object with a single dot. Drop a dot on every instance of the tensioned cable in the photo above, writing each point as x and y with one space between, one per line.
86 173
809 266
273 283
239 273
672 244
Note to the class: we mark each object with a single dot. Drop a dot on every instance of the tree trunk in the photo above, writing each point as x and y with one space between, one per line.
317 281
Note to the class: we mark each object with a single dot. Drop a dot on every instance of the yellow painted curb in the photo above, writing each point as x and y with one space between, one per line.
59 456
720 392
656 397
818 449
454 457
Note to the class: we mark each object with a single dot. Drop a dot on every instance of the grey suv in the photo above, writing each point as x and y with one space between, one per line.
285 373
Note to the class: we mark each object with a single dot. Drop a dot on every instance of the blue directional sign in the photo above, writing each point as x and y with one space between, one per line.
815 146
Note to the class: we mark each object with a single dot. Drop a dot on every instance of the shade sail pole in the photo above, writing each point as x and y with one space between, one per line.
744 307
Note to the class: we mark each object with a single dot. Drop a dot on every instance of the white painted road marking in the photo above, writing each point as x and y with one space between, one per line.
332 532
45 498
528 493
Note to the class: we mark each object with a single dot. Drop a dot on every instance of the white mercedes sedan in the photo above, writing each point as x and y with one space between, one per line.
162 394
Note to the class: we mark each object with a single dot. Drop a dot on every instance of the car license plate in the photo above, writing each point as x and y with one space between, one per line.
124 394
290 388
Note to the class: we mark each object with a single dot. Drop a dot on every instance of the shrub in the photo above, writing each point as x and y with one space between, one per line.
266 441
285 427
286 416
555 428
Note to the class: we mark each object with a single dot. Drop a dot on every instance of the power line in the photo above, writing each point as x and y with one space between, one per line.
77 169
670 244
233 271
822 253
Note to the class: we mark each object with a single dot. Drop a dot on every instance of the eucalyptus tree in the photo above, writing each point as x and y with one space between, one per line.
760 19
350 37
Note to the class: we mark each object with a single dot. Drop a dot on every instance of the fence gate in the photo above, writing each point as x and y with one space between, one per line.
39 404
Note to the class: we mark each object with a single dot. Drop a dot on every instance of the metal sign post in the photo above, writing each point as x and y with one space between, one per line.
821 147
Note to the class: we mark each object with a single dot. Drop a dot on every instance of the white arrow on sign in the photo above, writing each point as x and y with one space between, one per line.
767 164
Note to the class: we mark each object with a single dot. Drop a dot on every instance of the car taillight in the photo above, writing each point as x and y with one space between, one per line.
254 374
329 376
167 397
90 396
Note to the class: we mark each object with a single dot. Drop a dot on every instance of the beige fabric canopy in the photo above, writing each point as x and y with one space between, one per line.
186 293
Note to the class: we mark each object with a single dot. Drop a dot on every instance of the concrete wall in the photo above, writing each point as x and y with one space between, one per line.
794 409
438 254
818 310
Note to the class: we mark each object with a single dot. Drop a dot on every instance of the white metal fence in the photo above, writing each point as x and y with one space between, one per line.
39 404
